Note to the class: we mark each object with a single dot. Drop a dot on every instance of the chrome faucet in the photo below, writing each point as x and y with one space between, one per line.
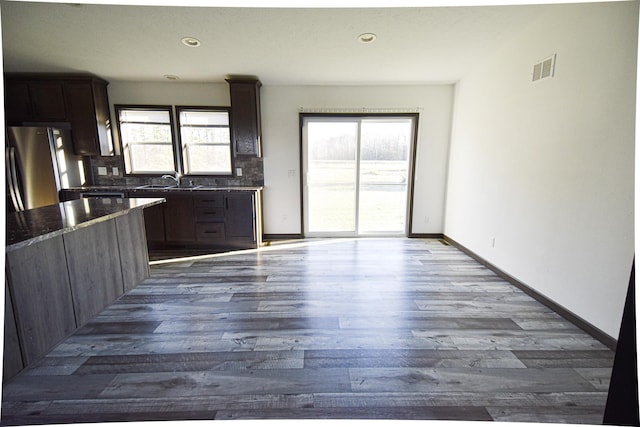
175 178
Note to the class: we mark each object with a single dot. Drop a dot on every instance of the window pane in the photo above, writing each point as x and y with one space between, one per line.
208 159
151 158
147 139
132 133
331 176
208 118
145 116
192 135
206 141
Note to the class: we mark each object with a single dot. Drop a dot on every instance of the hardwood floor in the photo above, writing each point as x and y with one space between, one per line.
352 328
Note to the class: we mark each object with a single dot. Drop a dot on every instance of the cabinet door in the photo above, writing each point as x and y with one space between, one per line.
103 117
16 101
153 218
239 217
178 218
82 115
245 117
47 101
154 223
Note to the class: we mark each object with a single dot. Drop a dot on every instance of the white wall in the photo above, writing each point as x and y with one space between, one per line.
547 168
281 145
281 136
166 93
169 93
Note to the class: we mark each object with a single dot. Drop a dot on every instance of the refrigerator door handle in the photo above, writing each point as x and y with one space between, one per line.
12 178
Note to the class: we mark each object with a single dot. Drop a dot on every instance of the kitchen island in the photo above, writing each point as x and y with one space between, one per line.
64 264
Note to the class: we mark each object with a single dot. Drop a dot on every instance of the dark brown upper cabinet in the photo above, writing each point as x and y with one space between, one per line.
80 101
34 101
245 116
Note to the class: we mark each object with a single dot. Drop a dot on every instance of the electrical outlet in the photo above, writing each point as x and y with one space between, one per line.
116 171
493 242
102 170
238 171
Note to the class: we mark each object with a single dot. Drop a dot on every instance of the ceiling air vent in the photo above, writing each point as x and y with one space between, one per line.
544 68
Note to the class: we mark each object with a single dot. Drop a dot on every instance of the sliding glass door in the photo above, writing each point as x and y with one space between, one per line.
357 174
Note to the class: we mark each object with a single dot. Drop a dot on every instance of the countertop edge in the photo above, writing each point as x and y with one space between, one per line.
68 229
135 189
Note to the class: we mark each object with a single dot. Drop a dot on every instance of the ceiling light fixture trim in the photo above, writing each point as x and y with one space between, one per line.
367 38
190 41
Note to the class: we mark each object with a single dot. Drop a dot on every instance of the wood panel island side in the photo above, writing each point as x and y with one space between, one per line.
64 264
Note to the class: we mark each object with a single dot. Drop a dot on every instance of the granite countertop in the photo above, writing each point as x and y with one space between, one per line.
160 189
34 225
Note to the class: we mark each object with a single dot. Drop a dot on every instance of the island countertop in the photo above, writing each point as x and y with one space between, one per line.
33 225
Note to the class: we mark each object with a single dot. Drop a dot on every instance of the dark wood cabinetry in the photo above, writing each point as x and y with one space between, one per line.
202 219
178 218
88 112
239 217
34 101
47 101
245 116
210 218
17 102
154 223
228 219
198 219
80 101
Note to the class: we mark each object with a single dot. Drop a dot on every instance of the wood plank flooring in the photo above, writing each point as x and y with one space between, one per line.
336 329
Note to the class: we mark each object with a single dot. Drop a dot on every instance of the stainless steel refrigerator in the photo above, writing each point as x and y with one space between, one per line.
39 163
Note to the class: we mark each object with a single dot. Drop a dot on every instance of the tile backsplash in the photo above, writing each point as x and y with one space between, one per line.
252 174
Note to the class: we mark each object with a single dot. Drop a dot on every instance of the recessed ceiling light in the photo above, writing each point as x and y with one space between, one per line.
171 77
190 41
367 38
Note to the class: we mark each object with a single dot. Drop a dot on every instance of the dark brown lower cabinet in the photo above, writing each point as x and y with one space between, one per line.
154 224
240 217
179 226
203 219
228 219
153 218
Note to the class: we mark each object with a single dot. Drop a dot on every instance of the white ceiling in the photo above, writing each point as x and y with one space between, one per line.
279 45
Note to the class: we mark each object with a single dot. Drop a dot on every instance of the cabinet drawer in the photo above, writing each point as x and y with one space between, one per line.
208 231
204 214
210 200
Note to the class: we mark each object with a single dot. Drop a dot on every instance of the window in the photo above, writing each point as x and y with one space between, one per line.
205 140
146 134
